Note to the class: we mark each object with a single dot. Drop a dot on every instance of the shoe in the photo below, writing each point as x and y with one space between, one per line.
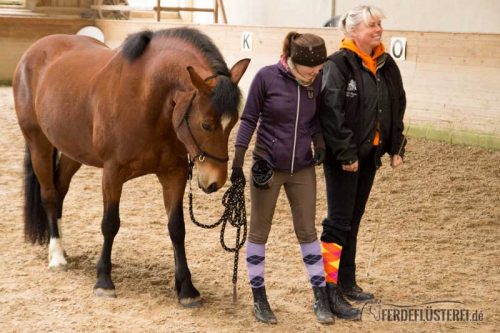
355 293
321 306
261 308
339 306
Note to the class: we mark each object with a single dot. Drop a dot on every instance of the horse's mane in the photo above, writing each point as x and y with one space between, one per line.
226 95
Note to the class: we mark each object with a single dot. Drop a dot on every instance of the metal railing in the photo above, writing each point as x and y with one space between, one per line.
218 5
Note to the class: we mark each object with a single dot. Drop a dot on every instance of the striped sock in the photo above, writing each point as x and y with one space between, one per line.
311 254
331 259
256 256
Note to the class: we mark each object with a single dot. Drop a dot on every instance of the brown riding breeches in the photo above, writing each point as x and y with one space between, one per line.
300 189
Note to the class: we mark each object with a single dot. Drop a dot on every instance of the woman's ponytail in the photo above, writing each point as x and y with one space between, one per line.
288 42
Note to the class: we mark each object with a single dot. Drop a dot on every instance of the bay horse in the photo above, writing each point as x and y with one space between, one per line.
158 102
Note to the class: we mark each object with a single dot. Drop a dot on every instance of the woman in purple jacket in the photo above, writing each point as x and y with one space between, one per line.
282 104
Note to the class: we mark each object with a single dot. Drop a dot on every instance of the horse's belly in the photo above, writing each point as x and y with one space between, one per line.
67 127
71 146
82 157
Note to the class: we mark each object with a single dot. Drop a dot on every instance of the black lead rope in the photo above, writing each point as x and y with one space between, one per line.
233 201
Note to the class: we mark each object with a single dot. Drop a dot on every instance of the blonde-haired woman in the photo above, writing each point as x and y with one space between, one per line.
363 103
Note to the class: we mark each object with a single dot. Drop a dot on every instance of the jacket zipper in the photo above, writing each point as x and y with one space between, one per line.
296 127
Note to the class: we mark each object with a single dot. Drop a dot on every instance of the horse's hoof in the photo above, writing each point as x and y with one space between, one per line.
109 293
58 268
190 302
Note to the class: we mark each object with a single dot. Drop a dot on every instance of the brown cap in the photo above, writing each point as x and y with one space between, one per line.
311 56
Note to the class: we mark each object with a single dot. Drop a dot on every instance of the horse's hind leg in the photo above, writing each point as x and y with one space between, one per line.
173 185
45 187
41 196
112 186
65 170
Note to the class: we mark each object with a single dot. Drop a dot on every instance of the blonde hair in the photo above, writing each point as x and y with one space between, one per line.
355 16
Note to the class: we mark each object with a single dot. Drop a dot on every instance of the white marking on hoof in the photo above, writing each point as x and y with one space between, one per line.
110 293
59 268
190 302
57 261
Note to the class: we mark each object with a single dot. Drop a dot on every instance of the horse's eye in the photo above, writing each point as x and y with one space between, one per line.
206 126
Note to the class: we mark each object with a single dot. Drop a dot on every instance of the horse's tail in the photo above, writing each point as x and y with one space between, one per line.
36 224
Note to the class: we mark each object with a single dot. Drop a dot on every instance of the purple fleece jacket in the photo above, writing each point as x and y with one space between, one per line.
286 115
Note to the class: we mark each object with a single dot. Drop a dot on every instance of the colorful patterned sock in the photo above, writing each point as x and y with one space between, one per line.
313 260
331 259
256 256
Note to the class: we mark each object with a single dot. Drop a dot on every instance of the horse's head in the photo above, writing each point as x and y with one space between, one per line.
204 117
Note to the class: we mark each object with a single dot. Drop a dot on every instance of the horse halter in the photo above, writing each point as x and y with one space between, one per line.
202 155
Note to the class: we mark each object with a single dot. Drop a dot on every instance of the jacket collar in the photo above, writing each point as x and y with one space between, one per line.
371 62
284 68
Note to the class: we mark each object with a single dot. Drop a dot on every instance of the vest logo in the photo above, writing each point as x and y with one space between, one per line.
352 90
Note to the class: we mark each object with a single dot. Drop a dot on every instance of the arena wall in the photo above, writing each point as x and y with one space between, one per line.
450 78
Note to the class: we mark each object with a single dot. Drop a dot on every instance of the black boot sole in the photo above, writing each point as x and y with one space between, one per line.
351 318
274 322
359 300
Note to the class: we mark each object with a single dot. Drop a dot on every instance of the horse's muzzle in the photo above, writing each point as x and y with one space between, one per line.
211 188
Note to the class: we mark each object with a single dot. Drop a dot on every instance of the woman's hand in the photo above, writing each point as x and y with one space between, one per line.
350 167
396 161
237 175
319 156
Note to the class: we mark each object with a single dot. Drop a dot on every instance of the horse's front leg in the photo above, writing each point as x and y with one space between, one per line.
111 190
173 185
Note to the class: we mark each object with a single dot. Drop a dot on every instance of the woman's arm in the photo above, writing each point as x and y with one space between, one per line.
249 119
398 138
338 137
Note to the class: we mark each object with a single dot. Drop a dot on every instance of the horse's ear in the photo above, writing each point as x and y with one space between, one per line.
182 102
198 82
239 69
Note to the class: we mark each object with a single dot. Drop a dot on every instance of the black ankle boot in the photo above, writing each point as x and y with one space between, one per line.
321 306
339 306
261 308
355 293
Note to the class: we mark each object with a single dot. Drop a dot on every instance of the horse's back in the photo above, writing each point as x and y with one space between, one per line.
49 49
45 53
